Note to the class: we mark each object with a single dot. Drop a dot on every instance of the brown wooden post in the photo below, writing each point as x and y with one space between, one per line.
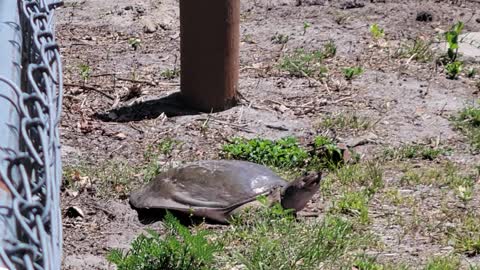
210 37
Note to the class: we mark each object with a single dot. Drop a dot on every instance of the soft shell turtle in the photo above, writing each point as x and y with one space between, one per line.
217 189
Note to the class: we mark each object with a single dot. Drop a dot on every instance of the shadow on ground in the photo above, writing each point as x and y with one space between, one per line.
171 105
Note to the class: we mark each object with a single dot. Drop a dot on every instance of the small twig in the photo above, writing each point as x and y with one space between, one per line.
137 81
89 88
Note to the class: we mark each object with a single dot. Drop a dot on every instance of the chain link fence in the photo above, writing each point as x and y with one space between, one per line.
30 107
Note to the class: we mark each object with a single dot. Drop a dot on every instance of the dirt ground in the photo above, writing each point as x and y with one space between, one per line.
407 101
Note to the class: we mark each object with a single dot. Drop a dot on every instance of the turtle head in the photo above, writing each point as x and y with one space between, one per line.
297 193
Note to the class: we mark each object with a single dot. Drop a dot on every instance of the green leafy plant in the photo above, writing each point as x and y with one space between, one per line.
351 72
472 72
85 72
306 25
326 153
179 249
453 69
282 153
452 37
376 31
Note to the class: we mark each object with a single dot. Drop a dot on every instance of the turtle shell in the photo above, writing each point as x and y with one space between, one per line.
201 186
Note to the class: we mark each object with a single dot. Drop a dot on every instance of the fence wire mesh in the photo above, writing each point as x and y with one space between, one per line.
30 165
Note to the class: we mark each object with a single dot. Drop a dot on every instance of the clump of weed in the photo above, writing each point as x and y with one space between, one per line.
468 122
280 38
329 49
345 122
376 31
420 50
134 43
367 177
151 155
306 25
170 74
117 177
351 72
444 175
465 236
413 151
301 63
179 249
85 72
326 153
443 263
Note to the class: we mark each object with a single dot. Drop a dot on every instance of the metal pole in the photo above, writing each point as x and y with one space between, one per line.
210 37
10 69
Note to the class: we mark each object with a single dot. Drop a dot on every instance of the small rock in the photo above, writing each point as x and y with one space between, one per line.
424 16
128 8
477 20
74 212
120 136
149 27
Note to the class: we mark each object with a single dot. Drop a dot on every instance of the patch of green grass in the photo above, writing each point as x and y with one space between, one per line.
107 178
301 63
351 72
443 175
262 241
465 236
468 122
117 177
353 204
413 151
179 249
443 263
346 122
362 177
365 262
